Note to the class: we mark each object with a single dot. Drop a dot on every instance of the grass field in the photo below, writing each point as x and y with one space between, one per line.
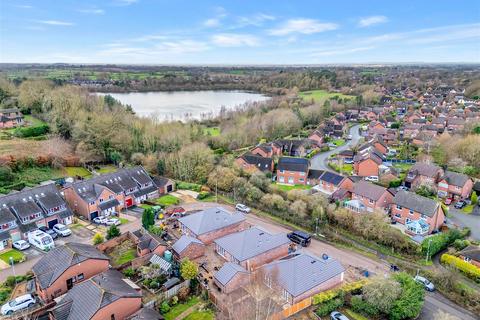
286 187
35 175
107 169
403 167
32 121
15 254
167 200
175 311
77 171
212 131
200 315
126 256
338 142
322 95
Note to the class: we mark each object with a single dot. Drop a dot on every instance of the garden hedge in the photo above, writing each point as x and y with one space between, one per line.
334 293
467 268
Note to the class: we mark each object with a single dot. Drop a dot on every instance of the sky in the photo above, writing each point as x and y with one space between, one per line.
207 32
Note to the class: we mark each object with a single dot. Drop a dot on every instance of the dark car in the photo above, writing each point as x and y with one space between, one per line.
460 204
300 237
50 232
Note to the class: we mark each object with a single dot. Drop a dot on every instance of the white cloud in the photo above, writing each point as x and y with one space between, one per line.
235 40
372 20
182 46
339 51
55 22
255 20
24 6
213 22
216 21
304 26
125 2
92 11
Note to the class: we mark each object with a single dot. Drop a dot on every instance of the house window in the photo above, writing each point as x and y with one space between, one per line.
301 180
80 277
399 207
467 259
92 203
370 201
398 215
282 179
282 171
286 295
302 173
407 220
110 197
410 211
221 251
101 200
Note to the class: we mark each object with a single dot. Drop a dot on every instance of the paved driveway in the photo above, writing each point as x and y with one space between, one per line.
465 220
319 161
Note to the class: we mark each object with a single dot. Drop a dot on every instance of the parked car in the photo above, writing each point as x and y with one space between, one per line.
460 204
425 282
242 208
100 220
348 161
448 201
50 232
335 315
372 178
178 210
349 137
300 237
112 221
62 230
21 245
402 188
19 303
41 240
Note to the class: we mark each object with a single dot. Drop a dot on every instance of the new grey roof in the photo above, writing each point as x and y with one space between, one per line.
184 241
85 299
331 177
293 164
57 261
146 314
227 272
300 273
251 242
416 203
368 190
456 179
210 220
108 204
263 164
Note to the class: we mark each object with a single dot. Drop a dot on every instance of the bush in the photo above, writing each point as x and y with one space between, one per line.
174 300
189 186
333 293
440 241
467 268
363 307
410 302
148 218
326 308
203 194
97 239
395 183
129 272
164 307
460 244
113 232
25 132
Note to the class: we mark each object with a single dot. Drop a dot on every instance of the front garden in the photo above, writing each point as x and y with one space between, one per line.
123 253
17 256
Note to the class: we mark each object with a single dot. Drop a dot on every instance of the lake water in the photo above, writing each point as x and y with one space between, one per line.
181 105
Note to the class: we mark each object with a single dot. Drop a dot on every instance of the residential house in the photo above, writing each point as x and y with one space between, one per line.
367 163
148 243
253 247
423 174
368 197
300 276
317 136
455 124
105 296
456 185
471 254
296 147
267 150
314 176
26 210
164 185
146 314
408 207
10 118
210 224
65 266
230 277
188 247
110 193
292 170
251 163
329 182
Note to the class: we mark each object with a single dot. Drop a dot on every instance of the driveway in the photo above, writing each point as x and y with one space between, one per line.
319 161
465 220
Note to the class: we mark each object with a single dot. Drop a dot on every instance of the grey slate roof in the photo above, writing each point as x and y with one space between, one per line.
6 215
251 242
456 179
368 190
210 220
424 169
227 272
331 177
263 164
108 204
184 241
57 261
299 273
416 202
86 298
472 252
146 314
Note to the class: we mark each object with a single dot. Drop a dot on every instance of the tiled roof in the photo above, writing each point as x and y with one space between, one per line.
472 252
424 169
456 179
227 272
416 203
210 219
184 241
368 190
293 164
263 164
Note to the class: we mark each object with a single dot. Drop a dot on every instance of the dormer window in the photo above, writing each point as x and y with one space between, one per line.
92 203
101 200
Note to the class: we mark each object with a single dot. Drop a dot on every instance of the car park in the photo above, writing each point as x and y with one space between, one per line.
41 240
62 230
460 204
335 315
300 237
112 221
21 245
50 232
242 208
100 220
17 304
425 282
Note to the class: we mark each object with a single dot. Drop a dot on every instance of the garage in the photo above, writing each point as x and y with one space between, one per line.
93 215
52 223
128 202
169 188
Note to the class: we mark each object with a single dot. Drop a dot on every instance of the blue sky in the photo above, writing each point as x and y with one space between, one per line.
239 32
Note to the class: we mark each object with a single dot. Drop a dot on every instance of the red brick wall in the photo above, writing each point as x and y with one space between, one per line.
297 177
193 251
366 168
265 258
120 309
208 238
435 222
261 152
240 279
329 284
79 206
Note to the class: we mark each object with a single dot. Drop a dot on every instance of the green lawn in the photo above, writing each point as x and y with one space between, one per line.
403 167
468 209
322 95
286 187
167 200
128 255
221 199
338 142
200 315
35 175
106 169
17 256
212 131
32 121
175 311
145 206
77 171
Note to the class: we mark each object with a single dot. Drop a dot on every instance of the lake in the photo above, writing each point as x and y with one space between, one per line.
181 105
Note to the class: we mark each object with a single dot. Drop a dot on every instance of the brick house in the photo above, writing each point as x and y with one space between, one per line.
105 296
65 266
164 185
300 276
423 174
251 163
110 193
10 118
252 248
329 182
456 185
267 150
210 224
188 247
368 197
409 206
471 254
296 147
148 243
230 277
367 163
317 136
292 170
25 211
314 176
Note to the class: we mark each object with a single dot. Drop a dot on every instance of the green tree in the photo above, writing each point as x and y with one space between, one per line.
188 269
148 218
115 157
410 302
161 167
98 238
6 175
382 293
474 198
113 232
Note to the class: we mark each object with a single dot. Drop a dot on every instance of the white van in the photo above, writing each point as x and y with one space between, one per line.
41 240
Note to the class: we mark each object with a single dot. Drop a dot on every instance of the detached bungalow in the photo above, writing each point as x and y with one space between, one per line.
230 277
329 182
